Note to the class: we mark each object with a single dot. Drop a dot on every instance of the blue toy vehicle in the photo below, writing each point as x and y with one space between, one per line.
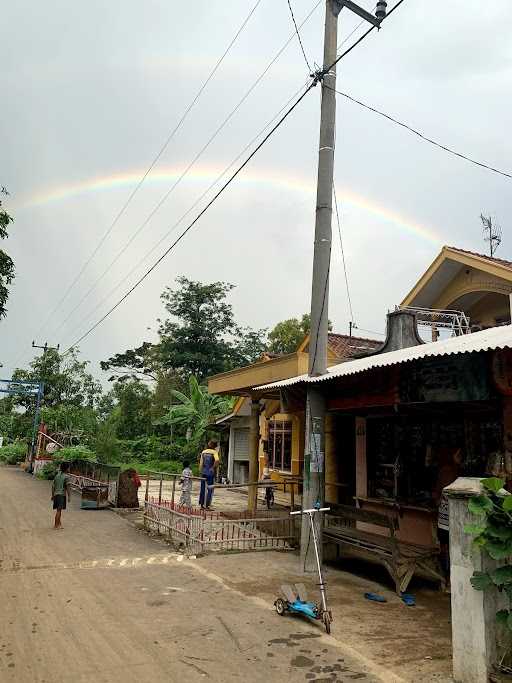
294 598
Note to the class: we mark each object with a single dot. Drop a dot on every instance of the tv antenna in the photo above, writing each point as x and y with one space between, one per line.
492 233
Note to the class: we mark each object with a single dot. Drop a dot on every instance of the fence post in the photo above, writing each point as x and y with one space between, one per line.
146 497
160 489
173 491
292 496
473 613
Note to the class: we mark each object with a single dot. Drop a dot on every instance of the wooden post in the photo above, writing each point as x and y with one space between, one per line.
173 491
361 464
160 489
292 497
146 497
254 443
331 466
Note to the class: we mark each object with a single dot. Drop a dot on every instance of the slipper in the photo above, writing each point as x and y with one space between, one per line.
375 597
408 599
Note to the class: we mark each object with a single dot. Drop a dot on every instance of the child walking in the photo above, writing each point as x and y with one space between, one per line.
60 491
186 486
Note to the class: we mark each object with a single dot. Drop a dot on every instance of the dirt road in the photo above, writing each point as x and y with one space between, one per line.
102 602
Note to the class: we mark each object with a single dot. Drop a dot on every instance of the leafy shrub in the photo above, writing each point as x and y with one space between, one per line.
493 535
48 471
71 453
14 453
106 443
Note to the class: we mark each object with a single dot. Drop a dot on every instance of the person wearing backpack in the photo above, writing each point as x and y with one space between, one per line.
208 463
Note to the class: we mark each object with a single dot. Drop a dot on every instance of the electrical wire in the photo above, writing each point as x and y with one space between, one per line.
196 219
360 39
345 40
150 168
164 198
343 253
298 37
194 205
224 187
355 327
481 164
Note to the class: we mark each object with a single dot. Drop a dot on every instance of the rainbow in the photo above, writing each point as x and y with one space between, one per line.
129 179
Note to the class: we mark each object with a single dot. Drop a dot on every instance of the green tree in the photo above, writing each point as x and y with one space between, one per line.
133 409
196 339
65 377
200 337
194 411
287 336
6 262
141 363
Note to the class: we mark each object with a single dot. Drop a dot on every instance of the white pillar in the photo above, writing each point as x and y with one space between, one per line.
473 612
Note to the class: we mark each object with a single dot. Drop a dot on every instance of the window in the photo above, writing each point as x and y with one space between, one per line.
280 445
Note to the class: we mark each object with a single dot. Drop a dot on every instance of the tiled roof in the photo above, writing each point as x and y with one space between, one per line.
492 259
347 347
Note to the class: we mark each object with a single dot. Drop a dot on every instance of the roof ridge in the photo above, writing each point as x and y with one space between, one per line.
492 259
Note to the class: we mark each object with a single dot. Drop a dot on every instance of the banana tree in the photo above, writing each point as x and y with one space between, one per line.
195 412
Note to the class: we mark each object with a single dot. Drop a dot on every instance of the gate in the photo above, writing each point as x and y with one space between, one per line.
202 531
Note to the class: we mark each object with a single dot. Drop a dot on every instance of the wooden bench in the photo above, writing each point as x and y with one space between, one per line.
401 559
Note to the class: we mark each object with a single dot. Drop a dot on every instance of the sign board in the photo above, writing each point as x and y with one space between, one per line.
12 386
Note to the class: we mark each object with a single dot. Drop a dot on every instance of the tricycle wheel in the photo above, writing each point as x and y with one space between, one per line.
327 622
280 606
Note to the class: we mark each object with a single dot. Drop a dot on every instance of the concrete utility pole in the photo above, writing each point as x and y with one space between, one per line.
314 485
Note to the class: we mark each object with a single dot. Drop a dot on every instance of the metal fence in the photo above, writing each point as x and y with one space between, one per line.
200 531
83 473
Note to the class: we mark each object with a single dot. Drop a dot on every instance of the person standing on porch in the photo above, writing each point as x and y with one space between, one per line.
208 464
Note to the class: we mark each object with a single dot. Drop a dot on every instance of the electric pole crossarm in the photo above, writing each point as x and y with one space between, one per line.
360 12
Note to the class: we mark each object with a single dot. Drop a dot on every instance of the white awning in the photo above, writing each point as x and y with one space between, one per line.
487 340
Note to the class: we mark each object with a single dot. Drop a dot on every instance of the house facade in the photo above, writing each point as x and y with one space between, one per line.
281 431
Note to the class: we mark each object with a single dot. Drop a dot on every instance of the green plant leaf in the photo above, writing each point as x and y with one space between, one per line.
502 575
481 581
503 532
475 529
507 503
480 505
493 484
502 617
498 550
509 622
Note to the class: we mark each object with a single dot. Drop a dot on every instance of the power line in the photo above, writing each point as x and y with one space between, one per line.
195 204
151 166
355 327
184 173
196 219
359 40
298 37
345 40
424 137
343 253
224 186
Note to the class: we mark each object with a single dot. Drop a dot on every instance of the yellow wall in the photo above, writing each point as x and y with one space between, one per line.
297 437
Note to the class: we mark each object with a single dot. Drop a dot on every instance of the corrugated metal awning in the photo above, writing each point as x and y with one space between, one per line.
487 340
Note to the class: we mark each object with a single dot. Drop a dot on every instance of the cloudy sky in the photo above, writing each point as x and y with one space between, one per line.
91 91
